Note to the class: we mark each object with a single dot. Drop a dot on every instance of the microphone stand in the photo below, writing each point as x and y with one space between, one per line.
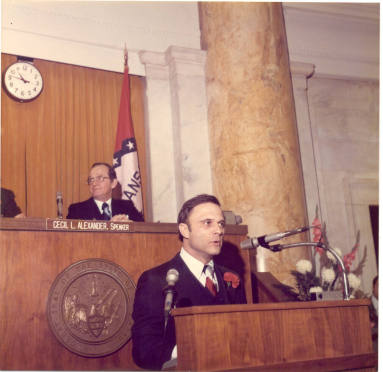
280 247
169 290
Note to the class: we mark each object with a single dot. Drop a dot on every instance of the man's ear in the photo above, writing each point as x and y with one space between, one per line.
184 230
114 183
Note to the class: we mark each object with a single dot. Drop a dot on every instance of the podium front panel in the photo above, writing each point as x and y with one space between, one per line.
276 335
33 253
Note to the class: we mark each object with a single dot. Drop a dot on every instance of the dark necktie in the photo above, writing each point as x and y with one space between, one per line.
208 270
105 211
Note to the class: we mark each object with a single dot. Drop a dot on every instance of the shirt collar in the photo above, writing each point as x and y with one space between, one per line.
100 203
194 265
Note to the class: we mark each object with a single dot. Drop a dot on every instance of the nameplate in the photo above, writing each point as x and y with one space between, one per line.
86 225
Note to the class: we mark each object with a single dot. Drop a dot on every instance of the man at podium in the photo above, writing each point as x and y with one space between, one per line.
191 278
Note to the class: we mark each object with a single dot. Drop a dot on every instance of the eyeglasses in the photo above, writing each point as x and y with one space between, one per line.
92 180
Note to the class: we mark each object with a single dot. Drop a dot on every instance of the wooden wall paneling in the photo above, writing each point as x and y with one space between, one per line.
54 139
107 117
59 125
13 137
95 138
68 169
41 148
66 128
86 139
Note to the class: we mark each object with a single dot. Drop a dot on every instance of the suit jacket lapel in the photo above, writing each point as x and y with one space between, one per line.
189 290
93 210
221 283
117 207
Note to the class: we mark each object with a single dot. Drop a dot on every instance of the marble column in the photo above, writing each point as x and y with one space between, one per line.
252 125
159 142
177 130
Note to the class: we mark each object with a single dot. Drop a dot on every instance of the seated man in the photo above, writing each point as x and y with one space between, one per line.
201 282
102 180
8 205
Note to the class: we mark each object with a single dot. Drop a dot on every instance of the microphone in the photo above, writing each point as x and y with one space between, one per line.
59 201
265 239
171 278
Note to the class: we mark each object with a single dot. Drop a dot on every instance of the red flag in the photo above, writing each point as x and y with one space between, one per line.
125 157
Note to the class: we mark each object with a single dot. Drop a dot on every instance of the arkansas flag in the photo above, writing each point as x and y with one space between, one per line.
125 158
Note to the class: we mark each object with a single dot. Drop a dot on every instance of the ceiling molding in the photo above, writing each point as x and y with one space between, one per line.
369 11
335 40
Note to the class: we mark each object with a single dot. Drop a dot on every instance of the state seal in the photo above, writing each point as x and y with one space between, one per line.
89 307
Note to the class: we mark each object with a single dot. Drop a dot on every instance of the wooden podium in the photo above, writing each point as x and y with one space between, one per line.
33 252
290 336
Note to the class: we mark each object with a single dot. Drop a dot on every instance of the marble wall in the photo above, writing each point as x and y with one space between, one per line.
338 123
334 58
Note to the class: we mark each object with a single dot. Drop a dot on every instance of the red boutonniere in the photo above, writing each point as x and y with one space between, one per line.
231 279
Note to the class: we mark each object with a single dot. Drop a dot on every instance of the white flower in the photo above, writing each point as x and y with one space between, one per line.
328 275
332 257
353 281
316 290
304 266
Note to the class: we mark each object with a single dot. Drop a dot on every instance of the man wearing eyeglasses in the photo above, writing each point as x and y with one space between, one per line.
102 180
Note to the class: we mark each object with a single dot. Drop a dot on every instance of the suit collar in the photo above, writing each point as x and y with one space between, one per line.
194 265
94 211
99 204
193 284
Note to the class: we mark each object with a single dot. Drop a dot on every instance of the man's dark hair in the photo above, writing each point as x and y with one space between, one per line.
187 207
111 172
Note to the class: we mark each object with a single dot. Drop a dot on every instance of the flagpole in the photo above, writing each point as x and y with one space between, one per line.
125 56
125 157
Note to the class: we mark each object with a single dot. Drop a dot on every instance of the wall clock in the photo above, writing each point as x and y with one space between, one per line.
23 81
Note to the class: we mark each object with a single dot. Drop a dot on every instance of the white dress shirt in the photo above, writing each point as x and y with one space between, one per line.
100 203
196 267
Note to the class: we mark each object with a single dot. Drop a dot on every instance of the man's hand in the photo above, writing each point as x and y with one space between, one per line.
120 218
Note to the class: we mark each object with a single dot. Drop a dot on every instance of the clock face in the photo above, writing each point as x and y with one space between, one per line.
23 81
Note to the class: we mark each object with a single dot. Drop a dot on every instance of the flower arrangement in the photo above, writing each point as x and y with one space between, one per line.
308 283
231 279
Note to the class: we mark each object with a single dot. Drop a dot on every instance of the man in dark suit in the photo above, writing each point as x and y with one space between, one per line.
102 180
8 205
201 228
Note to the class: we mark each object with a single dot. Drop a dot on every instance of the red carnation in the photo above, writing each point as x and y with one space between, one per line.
231 279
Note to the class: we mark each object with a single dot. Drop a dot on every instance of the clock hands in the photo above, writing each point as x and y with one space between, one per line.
21 78
16 77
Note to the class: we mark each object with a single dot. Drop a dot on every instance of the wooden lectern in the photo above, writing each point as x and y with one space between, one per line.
289 336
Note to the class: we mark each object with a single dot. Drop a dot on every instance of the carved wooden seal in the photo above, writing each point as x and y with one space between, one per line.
89 307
